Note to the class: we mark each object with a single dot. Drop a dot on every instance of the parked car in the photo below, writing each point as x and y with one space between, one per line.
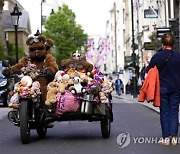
3 87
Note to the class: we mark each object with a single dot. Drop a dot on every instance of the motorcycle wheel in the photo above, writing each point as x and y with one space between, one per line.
106 125
24 122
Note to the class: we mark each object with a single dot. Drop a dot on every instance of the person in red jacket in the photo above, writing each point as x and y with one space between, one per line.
168 62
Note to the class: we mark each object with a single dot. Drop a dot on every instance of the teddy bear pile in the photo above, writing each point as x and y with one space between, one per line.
77 77
39 60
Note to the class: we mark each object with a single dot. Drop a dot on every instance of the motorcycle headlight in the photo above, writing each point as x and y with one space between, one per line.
3 83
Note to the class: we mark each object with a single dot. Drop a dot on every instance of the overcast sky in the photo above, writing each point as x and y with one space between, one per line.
91 14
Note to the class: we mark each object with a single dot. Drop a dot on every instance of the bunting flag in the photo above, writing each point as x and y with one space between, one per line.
137 5
90 49
100 59
89 57
90 44
104 49
105 46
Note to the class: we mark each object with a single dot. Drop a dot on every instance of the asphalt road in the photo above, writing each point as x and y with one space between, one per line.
135 130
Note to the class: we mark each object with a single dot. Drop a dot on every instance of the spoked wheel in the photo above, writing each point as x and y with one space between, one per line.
106 126
41 129
24 122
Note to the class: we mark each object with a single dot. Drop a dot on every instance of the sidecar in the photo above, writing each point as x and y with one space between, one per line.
86 105
87 109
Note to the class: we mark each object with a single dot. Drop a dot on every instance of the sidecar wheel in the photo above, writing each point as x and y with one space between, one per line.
24 122
106 126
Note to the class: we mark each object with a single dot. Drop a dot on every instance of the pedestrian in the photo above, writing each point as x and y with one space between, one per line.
168 62
118 86
143 71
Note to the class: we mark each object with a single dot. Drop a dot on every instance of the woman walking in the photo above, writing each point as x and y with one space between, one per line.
168 64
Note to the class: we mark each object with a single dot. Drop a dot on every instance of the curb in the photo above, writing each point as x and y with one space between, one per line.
148 105
129 98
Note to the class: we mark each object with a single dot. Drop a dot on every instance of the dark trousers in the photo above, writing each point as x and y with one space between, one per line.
169 111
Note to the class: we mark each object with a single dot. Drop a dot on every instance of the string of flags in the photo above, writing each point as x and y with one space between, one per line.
103 50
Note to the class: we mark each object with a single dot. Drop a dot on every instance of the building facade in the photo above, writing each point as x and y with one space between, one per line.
148 16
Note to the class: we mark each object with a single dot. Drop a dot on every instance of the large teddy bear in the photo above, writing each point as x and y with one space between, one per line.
40 55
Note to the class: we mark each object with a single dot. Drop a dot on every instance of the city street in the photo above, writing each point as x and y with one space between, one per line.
67 55
137 123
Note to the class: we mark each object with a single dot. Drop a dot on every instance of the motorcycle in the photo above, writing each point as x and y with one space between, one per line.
27 112
3 87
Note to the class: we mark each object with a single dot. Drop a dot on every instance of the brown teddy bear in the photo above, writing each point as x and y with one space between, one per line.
56 86
51 94
77 62
39 54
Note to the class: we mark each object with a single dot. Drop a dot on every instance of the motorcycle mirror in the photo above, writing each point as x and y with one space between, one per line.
5 63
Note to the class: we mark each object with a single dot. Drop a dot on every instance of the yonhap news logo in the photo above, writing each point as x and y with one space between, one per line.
124 139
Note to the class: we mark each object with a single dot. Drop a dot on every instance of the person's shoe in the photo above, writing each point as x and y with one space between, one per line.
164 141
174 140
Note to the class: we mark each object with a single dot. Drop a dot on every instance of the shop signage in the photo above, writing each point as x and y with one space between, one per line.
149 13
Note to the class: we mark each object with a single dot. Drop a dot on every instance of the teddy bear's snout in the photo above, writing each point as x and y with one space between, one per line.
36 52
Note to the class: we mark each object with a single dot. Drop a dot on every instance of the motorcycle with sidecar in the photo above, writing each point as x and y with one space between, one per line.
28 114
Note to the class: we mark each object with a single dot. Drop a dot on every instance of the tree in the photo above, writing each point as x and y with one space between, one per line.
154 40
66 34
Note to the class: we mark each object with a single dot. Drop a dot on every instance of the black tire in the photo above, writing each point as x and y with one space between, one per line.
106 126
24 122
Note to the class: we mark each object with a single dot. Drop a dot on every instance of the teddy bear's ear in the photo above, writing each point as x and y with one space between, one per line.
42 38
49 42
29 40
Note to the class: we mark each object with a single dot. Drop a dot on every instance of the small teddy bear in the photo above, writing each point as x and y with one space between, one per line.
77 88
103 97
36 92
51 93
58 76
30 70
106 87
14 101
24 89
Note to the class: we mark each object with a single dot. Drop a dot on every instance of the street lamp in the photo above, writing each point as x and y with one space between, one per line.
15 15
37 33
134 92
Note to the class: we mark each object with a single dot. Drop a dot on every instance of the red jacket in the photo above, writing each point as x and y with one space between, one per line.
150 89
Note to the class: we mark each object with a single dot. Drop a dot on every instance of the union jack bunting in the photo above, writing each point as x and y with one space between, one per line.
90 44
90 49
137 5
105 46
100 59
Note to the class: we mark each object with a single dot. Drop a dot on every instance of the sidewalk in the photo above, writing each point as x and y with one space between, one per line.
129 97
